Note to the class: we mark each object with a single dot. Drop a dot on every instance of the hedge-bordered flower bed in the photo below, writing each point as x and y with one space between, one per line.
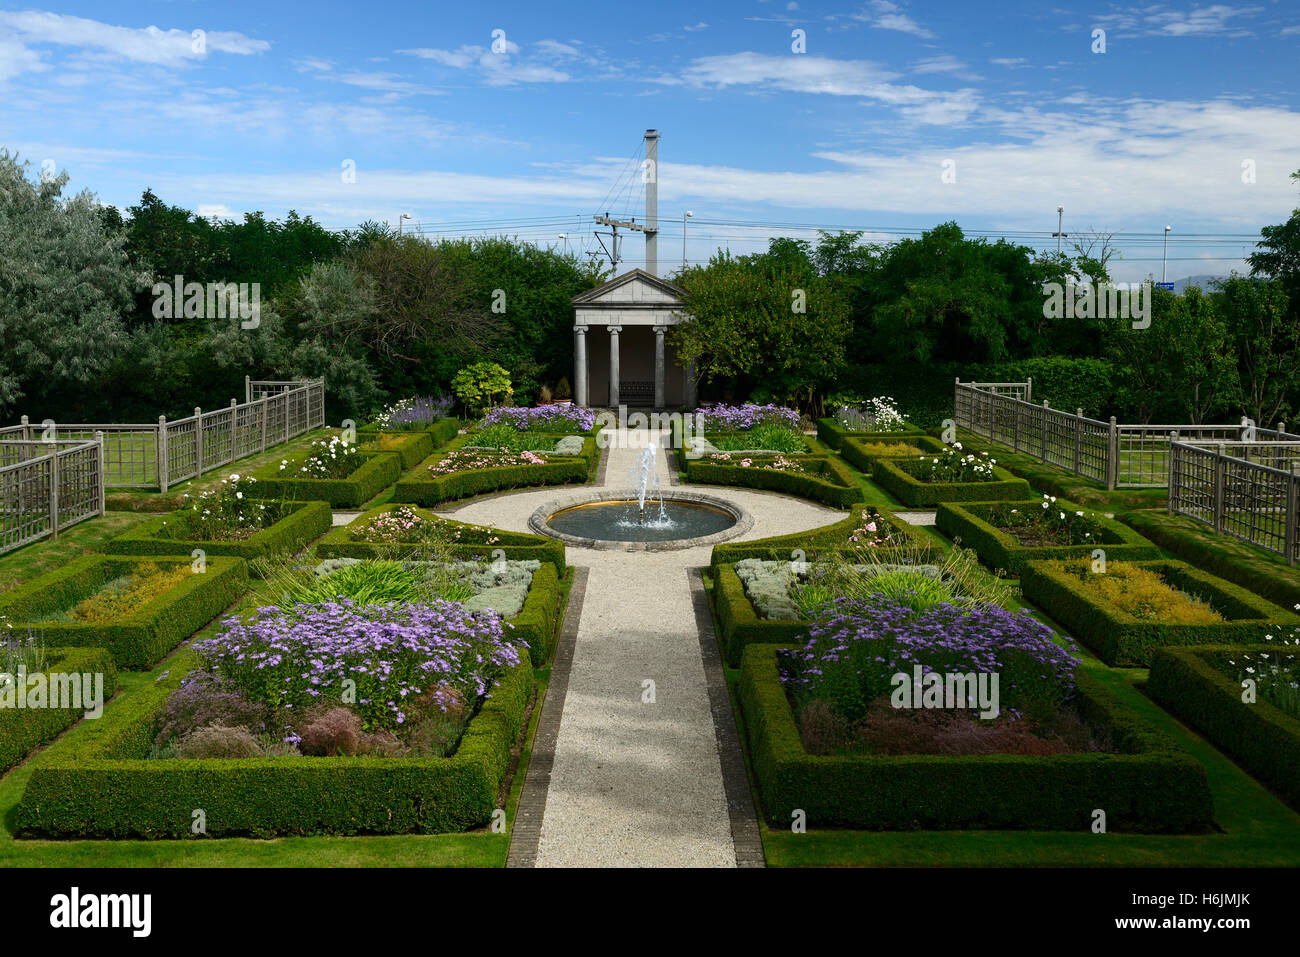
1259 736
1119 639
970 523
474 540
28 728
824 479
377 471
857 450
1150 785
143 637
832 538
411 448
831 434
738 624
422 487
307 522
99 783
898 478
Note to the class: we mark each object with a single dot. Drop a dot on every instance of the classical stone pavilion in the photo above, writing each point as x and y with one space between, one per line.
620 356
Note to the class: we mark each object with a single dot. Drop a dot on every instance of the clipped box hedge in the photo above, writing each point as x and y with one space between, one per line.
146 635
832 539
857 453
739 625
473 542
1119 639
411 448
831 434
1260 737
971 523
538 621
1262 572
99 783
376 472
307 522
1148 785
829 482
23 729
897 476
421 487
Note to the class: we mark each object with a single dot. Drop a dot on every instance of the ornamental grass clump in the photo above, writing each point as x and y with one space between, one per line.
766 436
386 656
229 513
740 418
857 645
505 438
951 465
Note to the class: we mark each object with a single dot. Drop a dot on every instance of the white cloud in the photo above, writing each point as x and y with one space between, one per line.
219 210
884 15
1008 61
138 45
1156 20
496 69
699 26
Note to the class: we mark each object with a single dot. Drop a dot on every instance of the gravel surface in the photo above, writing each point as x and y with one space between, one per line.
637 782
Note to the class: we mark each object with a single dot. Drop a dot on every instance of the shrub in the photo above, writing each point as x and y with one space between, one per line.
337 731
23 730
726 418
204 699
821 478
769 436
302 523
371 474
412 414
554 419
218 741
481 385
906 480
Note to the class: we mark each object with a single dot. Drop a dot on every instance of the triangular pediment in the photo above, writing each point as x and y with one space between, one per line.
635 287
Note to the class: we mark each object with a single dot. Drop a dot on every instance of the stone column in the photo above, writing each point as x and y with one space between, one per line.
580 365
659 365
613 365
692 396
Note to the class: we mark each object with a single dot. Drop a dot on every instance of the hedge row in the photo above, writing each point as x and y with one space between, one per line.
538 621
376 473
99 784
148 633
829 482
420 487
473 542
21 730
898 478
833 538
738 624
411 448
855 451
1260 737
971 523
303 525
1226 557
1119 639
1149 785
831 434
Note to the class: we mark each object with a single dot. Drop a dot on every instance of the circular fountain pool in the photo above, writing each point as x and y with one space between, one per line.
678 520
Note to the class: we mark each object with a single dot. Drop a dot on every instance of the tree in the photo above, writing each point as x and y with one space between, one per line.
1260 320
65 285
1202 370
767 317
1277 254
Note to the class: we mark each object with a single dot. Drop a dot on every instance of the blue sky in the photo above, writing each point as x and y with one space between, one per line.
856 131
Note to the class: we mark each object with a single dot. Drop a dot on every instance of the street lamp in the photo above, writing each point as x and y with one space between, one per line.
685 216
1164 256
565 237
404 216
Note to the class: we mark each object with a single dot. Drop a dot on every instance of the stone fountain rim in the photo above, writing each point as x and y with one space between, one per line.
537 521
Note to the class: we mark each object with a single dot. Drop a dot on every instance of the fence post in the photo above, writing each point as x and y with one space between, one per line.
1042 439
54 493
1220 481
164 466
234 430
262 416
285 392
27 431
1078 438
248 389
1292 518
1112 456
103 500
1029 388
1015 426
198 442
1175 475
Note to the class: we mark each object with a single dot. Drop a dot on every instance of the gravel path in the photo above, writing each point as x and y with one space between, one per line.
637 778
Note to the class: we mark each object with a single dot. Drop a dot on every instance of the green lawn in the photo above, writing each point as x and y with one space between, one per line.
35 559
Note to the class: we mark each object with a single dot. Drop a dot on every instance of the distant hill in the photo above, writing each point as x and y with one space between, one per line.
1203 281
